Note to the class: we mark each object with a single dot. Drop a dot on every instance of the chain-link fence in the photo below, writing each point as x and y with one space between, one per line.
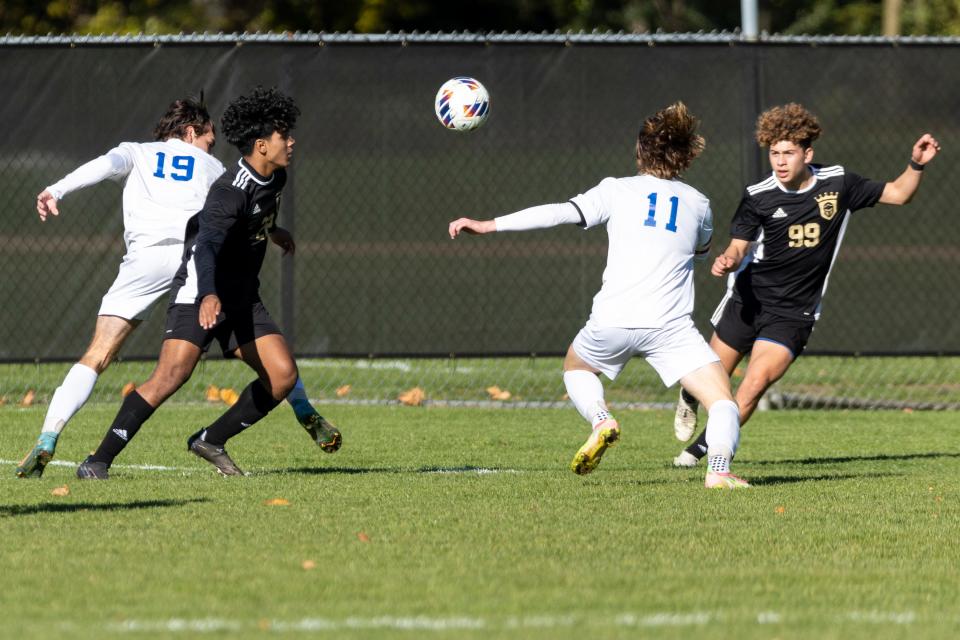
380 300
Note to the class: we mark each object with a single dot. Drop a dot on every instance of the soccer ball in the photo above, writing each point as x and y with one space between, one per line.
462 104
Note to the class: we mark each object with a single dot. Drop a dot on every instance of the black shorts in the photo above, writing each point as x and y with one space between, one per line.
740 325
236 326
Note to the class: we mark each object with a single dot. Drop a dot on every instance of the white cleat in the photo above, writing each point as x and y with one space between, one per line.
686 459
685 420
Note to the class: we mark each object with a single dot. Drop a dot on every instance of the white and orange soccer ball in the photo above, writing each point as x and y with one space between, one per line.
462 104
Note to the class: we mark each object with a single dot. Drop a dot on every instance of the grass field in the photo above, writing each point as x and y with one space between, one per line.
466 523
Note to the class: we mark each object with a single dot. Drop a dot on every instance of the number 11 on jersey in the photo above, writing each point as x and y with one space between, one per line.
652 212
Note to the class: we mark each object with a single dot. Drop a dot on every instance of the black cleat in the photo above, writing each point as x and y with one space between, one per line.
217 456
92 470
326 435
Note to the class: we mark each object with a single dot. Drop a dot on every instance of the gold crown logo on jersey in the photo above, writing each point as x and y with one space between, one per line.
827 202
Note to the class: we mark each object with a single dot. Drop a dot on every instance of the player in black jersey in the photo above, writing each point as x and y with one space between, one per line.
216 291
795 220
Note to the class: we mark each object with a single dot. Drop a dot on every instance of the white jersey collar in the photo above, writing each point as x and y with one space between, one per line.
813 172
256 177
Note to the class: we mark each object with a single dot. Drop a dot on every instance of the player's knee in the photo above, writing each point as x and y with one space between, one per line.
97 359
166 381
753 387
282 381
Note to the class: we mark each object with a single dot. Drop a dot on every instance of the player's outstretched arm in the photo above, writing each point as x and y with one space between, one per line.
731 258
473 227
902 190
541 216
46 205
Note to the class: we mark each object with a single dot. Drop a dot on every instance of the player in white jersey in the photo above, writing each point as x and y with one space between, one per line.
166 183
657 226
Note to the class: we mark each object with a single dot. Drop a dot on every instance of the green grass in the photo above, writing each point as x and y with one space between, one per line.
917 380
849 531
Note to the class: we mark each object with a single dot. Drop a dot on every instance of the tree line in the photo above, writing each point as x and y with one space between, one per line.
816 17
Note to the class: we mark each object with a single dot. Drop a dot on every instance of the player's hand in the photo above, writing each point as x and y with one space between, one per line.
925 149
475 227
209 310
723 265
46 205
283 239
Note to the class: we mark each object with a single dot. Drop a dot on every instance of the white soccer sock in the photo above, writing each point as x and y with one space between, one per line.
69 397
723 429
586 393
298 393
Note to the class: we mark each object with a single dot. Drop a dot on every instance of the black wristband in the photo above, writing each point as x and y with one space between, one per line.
916 166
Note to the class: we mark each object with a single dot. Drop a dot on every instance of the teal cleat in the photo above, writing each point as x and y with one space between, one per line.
36 460
323 433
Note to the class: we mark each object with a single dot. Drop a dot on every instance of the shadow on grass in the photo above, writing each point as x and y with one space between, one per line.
775 480
10 511
320 471
844 459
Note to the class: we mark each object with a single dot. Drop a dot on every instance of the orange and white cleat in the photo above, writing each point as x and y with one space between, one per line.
717 480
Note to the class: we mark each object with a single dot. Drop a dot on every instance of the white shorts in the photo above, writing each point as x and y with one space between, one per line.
673 351
146 274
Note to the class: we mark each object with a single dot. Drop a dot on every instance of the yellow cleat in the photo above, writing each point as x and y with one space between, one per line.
605 434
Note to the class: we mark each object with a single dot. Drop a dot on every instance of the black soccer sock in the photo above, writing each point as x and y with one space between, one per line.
255 402
133 413
689 399
699 446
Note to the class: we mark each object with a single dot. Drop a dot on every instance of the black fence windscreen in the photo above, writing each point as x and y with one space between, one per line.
376 179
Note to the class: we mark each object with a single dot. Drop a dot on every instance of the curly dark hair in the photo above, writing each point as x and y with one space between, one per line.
181 114
258 115
668 142
790 122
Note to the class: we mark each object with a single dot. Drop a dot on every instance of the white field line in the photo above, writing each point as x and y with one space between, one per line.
480 471
416 623
141 467
457 623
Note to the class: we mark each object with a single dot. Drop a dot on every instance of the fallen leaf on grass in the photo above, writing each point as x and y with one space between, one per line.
344 390
28 398
308 565
277 502
213 394
362 537
229 396
496 393
412 397
907 410
127 389
61 491
780 510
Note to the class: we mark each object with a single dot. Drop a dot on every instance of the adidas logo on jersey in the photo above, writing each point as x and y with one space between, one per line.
121 433
256 210
779 213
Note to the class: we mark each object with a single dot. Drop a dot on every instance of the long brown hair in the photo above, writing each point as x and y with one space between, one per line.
668 142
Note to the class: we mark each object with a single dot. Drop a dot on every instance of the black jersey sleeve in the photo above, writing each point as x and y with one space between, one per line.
220 212
861 192
746 224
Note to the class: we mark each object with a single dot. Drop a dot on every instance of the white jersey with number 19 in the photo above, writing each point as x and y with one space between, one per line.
167 182
656 229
